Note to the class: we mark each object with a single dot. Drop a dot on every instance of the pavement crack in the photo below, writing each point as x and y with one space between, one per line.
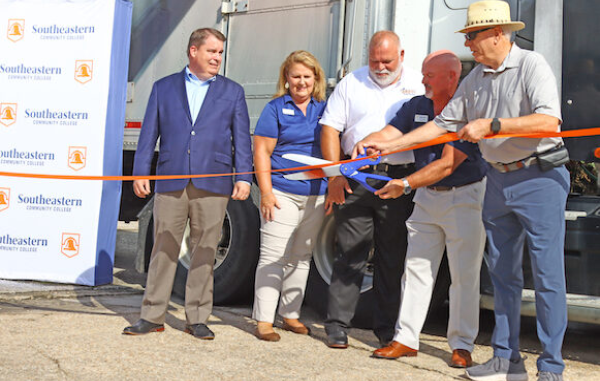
53 360
436 371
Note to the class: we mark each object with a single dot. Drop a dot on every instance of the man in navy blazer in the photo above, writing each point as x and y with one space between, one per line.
202 121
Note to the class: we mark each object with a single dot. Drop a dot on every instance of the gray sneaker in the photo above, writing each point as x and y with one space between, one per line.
498 369
549 376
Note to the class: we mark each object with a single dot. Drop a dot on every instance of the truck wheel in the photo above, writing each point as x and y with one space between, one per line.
236 257
320 278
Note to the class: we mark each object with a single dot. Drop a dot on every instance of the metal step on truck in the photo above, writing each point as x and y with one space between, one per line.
261 33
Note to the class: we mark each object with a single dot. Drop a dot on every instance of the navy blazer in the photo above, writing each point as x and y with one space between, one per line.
216 143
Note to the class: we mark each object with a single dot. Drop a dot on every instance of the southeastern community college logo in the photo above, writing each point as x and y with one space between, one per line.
84 70
69 245
77 157
8 114
4 199
16 29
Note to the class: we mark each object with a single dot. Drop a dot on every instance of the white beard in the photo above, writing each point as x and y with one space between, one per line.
387 80
428 93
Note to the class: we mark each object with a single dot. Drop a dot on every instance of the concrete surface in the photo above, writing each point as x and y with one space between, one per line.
64 332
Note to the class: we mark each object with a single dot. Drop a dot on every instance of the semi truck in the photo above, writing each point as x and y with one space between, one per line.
261 33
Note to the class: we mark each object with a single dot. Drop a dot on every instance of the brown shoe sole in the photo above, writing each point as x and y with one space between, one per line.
159 329
454 364
337 346
408 354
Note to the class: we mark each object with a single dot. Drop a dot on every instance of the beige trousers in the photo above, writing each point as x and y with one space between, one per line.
205 211
285 254
450 219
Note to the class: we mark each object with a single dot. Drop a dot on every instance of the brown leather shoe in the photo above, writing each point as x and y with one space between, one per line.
269 336
301 329
461 358
395 350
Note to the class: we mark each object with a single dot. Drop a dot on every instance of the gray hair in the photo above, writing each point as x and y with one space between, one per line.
508 34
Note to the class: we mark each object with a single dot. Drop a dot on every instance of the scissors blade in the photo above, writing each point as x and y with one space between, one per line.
318 173
306 175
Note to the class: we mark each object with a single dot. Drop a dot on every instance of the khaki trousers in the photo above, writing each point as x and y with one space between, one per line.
450 219
172 210
285 253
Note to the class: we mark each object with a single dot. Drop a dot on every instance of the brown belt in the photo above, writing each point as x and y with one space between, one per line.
443 188
515 165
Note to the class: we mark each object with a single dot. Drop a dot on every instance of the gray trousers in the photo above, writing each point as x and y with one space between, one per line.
205 211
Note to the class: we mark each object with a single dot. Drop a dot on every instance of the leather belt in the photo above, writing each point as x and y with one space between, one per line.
385 167
443 188
515 165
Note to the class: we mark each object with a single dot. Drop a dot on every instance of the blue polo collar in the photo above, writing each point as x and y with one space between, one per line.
287 98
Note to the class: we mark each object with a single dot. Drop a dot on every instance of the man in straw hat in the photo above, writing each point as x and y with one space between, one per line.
512 91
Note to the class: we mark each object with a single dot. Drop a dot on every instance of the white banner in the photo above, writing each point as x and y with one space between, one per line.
63 76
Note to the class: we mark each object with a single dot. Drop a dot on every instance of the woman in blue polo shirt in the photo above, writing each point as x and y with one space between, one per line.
292 211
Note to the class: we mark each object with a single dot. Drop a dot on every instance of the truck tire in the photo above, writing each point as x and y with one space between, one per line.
236 259
320 278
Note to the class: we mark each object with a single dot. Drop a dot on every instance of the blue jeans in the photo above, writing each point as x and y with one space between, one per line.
528 207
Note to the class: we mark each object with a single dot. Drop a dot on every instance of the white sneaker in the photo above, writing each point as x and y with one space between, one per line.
499 369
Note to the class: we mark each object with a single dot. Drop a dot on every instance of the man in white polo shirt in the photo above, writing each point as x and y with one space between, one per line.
364 102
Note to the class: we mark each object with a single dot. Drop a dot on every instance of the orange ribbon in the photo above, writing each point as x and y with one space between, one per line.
446 138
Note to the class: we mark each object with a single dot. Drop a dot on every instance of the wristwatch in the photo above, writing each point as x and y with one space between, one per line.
495 126
407 188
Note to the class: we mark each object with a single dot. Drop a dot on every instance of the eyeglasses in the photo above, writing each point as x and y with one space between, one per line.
470 36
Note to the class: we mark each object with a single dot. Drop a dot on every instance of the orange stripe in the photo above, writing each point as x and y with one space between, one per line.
449 137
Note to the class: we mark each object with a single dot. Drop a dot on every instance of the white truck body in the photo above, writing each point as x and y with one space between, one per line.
261 33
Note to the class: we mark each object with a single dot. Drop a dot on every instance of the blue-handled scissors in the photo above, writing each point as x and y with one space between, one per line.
349 170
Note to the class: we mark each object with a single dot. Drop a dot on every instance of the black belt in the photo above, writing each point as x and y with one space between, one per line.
385 167
444 188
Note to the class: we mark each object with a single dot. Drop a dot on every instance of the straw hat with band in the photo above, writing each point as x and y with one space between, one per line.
490 13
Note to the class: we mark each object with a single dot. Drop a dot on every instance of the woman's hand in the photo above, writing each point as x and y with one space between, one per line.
268 203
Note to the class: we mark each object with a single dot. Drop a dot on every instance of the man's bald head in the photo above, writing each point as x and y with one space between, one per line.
385 37
441 72
447 59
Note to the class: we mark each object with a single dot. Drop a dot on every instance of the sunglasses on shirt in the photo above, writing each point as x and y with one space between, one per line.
470 36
